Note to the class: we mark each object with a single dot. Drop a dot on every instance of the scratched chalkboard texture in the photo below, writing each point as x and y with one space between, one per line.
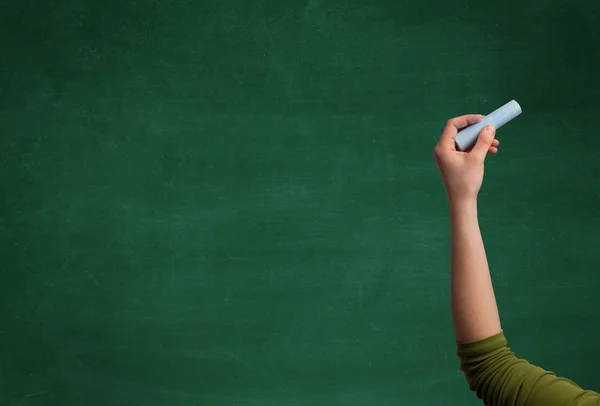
234 202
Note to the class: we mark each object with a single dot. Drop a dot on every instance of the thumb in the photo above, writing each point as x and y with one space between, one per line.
484 142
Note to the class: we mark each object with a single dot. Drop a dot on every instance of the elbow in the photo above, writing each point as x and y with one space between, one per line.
489 374
474 373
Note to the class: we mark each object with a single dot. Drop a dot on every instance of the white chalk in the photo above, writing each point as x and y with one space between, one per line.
467 137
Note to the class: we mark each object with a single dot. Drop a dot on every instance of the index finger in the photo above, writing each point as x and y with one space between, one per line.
456 124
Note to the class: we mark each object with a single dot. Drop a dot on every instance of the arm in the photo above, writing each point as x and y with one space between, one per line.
491 369
474 309
501 379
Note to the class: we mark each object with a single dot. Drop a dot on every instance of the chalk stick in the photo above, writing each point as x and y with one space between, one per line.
467 137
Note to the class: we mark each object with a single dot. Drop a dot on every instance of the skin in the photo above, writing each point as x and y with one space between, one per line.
498 377
474 309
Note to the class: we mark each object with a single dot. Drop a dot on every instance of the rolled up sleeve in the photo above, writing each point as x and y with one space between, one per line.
499 378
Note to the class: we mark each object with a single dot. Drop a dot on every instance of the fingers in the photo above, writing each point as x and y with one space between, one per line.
484 143
495 143
494 148
454 125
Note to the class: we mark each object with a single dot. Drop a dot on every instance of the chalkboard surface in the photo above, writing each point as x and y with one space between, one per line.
234 202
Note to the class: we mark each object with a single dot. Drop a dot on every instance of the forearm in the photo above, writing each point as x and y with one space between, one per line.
474 309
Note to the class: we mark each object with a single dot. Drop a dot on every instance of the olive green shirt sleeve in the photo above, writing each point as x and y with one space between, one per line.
501 379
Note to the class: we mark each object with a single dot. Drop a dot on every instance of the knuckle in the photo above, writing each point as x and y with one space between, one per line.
476 158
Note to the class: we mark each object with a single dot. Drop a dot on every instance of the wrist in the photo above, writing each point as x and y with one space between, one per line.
463 206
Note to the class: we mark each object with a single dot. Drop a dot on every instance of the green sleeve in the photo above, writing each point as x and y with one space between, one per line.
501 379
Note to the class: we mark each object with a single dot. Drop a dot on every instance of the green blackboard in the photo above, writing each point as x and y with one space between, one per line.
234 202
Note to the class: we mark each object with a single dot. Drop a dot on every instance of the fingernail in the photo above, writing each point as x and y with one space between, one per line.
490 128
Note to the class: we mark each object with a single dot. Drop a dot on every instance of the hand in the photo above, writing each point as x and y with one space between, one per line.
462 172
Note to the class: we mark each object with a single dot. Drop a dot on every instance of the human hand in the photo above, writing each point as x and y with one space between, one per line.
462 172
